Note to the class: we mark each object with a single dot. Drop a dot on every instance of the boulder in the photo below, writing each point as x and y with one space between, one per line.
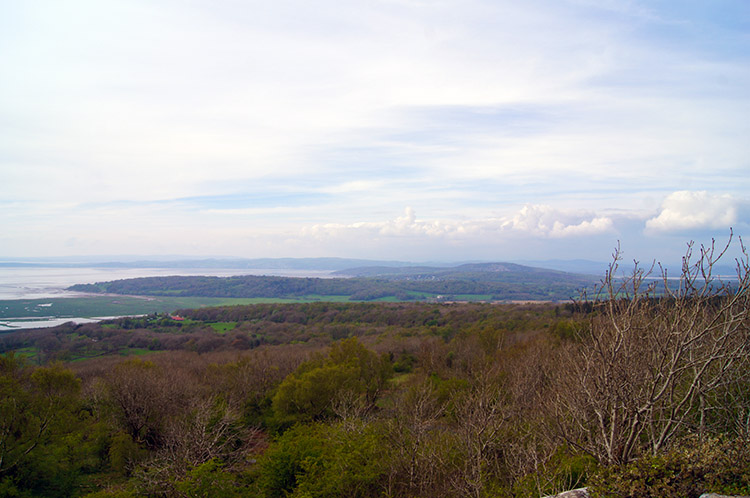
573 493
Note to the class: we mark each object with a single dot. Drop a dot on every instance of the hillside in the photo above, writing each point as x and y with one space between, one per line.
485 281
277 400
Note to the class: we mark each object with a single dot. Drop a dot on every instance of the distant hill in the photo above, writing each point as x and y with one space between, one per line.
348 266
471 282
584 266
484 271
599 268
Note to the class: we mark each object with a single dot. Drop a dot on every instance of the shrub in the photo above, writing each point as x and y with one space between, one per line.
349 369
208 480
687 471
321 460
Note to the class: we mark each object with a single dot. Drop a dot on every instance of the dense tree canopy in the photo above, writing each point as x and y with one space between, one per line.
633 393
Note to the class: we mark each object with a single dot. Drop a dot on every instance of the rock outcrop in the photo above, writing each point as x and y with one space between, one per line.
573 493
583 493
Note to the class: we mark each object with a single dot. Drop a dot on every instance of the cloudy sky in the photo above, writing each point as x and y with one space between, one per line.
393 129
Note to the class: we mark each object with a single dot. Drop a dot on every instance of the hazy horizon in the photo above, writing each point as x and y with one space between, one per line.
486 130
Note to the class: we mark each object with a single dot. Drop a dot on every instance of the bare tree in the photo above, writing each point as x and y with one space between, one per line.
481 414
417 437
209 429
531 442
142 397
653 354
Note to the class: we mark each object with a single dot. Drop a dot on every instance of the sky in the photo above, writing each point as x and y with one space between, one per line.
417 130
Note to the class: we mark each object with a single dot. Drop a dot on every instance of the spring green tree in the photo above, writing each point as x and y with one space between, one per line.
349 373
37 412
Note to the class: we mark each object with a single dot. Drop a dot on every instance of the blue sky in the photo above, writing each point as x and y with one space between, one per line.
393 129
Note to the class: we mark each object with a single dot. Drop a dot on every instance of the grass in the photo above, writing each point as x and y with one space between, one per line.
29 353
32 354
310 298
223 327
472 297
134 351
98 306
101 306
401 379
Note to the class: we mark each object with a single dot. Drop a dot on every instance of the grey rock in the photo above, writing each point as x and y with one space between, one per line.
573 493
714 495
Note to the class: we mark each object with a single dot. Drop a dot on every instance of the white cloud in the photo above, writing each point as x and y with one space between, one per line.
532 220
545 221
357 187
234 92
327 114
586 227
695 210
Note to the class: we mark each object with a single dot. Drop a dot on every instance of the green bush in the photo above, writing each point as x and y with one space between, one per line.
39 410
124 453
321 460
208 480
111 493
349 370
564 471
692 468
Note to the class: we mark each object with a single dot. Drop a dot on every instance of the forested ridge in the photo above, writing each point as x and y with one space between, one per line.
244 327
629 394
513 282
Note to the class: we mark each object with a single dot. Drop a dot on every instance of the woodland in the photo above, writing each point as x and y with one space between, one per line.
639 389
488 281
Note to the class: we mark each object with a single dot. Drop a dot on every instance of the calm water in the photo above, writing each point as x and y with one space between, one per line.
43 283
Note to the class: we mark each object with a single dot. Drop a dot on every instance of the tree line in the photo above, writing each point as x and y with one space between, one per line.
501 286
630 395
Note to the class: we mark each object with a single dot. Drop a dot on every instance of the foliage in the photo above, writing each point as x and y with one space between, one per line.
692 468
124 453
208 480
37 411
264 324
94 306
111 493
297 400
646 368
565 470
513 282
320 460
349 371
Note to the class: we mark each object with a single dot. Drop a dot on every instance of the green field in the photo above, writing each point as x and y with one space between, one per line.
114 306
223 327
88 307
105 306
471 297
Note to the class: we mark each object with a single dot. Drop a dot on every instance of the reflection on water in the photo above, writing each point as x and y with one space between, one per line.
43 283
11 325
48 283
